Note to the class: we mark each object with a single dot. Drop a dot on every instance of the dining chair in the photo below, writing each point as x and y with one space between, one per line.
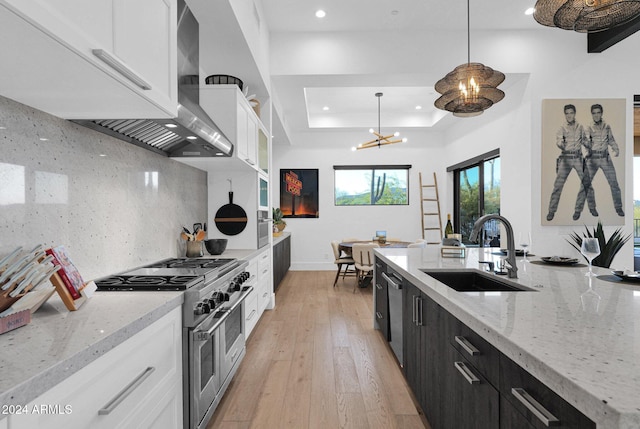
362 254
341 260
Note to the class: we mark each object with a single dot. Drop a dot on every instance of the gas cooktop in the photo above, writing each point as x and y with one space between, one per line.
167 275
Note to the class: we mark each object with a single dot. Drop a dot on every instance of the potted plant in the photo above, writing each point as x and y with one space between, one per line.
278 223
608 248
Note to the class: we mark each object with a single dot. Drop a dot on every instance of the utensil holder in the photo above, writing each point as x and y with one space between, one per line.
194 249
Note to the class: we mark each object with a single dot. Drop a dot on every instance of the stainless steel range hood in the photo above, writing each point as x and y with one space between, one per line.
192 133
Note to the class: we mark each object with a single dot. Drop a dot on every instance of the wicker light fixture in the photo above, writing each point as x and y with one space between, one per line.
380 140
585 15
470 88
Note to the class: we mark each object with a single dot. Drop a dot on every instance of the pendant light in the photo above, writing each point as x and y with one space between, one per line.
470 88
585 15
380 140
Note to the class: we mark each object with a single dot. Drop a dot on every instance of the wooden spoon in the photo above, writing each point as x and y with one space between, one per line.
200 235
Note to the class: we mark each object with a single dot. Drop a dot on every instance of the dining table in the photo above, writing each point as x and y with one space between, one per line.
347 246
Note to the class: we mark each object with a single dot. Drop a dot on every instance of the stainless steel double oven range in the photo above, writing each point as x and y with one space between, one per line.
213 328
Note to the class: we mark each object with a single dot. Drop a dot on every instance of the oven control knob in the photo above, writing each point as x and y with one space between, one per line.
245 275
234 287
202 308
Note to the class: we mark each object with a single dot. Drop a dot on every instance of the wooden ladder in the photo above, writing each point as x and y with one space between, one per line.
430 226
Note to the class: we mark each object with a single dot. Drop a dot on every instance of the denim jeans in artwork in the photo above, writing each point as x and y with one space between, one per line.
564 165
602 161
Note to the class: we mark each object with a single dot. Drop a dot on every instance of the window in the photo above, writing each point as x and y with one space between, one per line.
361 185
476 193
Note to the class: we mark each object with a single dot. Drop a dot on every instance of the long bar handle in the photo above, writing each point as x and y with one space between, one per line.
391 282
467 346
117 64
466 372
414 319
378 315
419 310
378 286
535 407
122 395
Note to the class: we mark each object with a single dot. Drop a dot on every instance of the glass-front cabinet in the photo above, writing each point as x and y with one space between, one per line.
263 152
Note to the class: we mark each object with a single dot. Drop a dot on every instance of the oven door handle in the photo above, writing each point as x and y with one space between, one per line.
202 335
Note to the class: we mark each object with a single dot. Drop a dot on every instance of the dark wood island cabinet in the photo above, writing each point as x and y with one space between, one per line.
462 381
281 260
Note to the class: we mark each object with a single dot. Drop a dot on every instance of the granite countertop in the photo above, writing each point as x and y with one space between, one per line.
58 342
586 350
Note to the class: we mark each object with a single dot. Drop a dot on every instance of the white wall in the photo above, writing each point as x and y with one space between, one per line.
540 64
558 68
310 238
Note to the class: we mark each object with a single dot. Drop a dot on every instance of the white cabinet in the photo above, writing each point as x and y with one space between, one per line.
91 60
255 304
138 384
264 280
251 303
233 114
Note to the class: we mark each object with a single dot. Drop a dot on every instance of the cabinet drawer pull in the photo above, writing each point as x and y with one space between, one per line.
466 373
264 295
117 64
378 315
419 311
535 407
467 346
378 265
391 282
265 271
414 317
378 286
122 395
251 315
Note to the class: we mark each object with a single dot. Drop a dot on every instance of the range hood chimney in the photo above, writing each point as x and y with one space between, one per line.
192 133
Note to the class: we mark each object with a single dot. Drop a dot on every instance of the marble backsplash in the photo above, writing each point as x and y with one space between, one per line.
113 205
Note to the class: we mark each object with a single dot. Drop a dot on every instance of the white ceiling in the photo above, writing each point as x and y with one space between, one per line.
349 95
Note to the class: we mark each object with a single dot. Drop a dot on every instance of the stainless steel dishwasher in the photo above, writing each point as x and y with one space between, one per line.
394 282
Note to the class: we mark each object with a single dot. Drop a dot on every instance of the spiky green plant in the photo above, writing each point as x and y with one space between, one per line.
608 248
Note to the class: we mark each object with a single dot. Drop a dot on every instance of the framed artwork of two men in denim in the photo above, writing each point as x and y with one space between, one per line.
583 161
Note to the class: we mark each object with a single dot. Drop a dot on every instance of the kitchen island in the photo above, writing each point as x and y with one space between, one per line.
586 351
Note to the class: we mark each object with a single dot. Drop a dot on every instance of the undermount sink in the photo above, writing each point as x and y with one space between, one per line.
474 281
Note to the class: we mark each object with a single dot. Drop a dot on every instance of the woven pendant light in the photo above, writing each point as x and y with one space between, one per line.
585 15
470 88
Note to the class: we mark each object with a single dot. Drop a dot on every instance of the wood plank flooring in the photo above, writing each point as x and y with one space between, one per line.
315 361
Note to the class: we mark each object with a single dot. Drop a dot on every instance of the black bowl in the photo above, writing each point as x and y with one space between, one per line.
215 246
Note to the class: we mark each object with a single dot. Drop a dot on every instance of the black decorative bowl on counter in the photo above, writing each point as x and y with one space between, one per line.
215 246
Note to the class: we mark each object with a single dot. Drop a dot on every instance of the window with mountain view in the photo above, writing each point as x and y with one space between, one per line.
371 185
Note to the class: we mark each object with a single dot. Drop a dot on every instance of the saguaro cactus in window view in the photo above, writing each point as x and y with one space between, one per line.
376 188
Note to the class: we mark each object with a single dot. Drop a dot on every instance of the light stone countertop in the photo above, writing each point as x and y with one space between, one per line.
589 354
57 342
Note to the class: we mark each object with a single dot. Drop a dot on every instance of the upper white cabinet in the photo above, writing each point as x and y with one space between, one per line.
91 60
231 111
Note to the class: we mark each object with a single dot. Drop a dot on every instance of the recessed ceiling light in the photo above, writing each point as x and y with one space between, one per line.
395 12
219 154
3 128
418 107
102 154
192 138
529 11
171 125
325 108
43 139
320 13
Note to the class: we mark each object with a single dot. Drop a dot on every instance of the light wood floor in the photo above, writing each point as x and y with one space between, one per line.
315 361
